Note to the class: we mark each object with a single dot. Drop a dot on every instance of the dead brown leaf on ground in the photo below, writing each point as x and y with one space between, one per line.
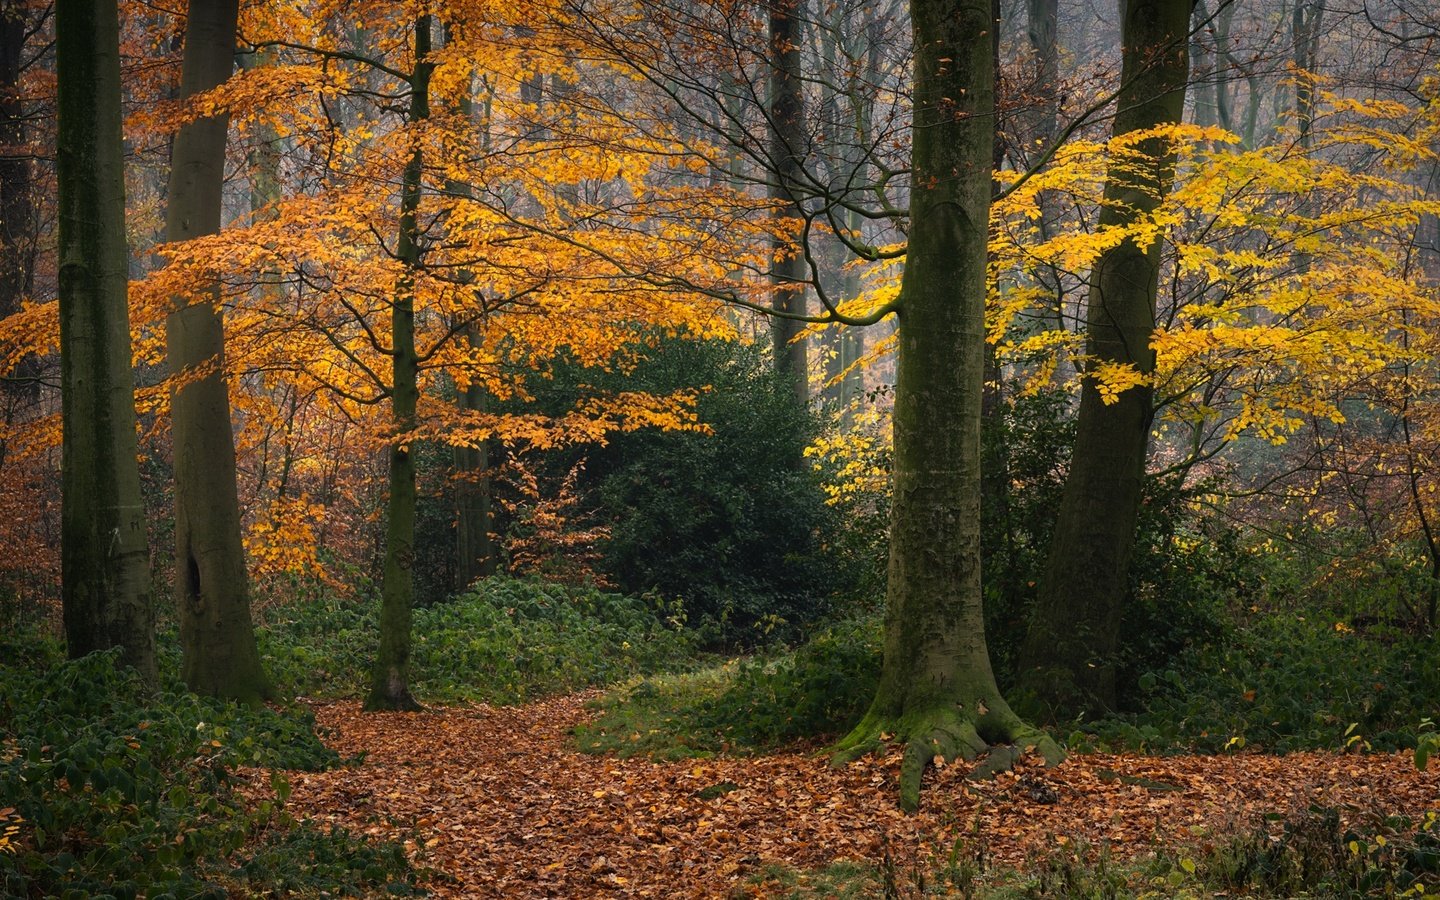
499 803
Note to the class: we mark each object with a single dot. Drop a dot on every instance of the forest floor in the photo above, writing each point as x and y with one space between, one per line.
497 802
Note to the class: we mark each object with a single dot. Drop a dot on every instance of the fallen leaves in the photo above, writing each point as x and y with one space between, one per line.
498 802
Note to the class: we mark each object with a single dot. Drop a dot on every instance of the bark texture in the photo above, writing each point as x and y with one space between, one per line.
217 635
937 692
787 151
390 680
1067 661
105 564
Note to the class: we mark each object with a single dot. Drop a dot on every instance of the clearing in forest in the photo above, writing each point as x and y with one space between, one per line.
498 802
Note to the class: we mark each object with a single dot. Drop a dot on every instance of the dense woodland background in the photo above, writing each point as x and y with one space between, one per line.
489 351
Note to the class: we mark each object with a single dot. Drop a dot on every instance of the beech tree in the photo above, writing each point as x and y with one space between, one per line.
212 599
788 272
937 693
390 679
105 577
1067 659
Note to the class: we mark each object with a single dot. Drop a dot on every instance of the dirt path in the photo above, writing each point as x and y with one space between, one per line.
497 800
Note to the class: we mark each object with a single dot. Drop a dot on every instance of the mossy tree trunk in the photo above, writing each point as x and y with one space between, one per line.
105 561
217 634
1068 658
787 149
937 692
390 679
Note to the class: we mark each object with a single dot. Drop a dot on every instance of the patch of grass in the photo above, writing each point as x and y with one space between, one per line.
110 790
507 641
745 706
841 880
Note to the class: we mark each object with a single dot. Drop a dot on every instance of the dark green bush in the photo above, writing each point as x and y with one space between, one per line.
733 523
1185 571
506 641
1285 682
122 792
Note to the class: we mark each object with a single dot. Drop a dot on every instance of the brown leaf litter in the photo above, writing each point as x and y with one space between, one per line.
499 803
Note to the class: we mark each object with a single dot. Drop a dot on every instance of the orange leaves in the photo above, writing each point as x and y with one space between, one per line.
282 541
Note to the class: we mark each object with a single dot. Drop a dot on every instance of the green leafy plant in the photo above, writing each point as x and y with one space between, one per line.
505 641
119 791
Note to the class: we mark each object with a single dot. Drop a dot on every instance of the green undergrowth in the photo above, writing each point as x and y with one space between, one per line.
1275 684
506 641
1308 854
107 790
1282 684
748 705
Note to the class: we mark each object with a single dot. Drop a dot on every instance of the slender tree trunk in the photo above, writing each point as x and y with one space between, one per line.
1042 32
995 463
474 547
217 635
1305 28
105 563
787 150
17 208
1068 656
937 692
390 681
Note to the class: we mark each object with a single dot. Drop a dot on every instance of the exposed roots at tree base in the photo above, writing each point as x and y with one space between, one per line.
999 736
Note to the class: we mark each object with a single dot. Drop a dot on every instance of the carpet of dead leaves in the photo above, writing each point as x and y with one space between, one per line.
498 803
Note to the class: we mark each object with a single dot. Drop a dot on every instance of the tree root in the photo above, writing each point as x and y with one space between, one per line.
947 735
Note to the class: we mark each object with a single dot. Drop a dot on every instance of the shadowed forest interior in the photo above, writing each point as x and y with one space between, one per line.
793 448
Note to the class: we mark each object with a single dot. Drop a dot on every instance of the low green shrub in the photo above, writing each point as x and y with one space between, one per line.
114 791
1313 854
1282 683
505 641
818 690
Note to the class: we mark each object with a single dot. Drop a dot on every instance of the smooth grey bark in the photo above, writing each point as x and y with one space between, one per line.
217 634
390 678
105 560
1067 661
787 152
937 693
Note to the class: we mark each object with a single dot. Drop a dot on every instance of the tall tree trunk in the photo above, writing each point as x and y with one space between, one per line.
390 680
1068 656
1042 31
217 635
475 555
995 463
105 564
937 692
17 207
1305 28
787 149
